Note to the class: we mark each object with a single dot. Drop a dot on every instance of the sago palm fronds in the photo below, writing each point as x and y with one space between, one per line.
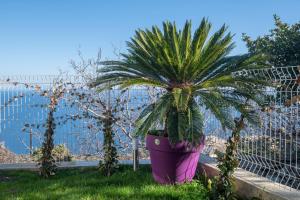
193 69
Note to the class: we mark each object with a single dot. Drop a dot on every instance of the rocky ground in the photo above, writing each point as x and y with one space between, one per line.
7 157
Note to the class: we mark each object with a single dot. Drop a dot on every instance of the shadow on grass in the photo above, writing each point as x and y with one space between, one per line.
87 183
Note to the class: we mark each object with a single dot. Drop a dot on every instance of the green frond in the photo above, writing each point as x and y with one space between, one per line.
196 123
176 125
182 98
220 108
154 116
185 44
146 111
140 82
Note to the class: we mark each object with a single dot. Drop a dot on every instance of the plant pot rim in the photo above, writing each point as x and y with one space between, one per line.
202 138
162 143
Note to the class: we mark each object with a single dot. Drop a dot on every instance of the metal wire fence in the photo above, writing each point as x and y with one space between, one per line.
271 149
23 113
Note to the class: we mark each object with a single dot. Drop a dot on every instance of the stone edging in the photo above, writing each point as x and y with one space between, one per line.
250 185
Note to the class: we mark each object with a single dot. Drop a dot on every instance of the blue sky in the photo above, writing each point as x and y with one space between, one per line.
40 37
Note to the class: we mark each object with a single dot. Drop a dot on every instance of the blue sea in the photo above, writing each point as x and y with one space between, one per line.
20 116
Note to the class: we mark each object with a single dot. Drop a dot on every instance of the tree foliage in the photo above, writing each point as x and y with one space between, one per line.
110 159
282 47
282 44
47 161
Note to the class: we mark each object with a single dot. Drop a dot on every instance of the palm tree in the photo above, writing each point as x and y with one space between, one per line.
192 70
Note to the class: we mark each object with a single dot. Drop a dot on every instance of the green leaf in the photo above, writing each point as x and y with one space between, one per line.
151 116
181 98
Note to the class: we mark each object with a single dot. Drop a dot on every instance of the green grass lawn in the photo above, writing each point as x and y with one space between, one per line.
87 183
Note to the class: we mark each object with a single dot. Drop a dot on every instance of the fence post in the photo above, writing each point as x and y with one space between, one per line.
30 142
135 153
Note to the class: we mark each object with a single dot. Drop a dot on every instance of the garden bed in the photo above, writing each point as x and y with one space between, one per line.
87 183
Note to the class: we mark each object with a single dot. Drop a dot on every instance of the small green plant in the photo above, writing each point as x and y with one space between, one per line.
110 160
47 161
60 153
223 185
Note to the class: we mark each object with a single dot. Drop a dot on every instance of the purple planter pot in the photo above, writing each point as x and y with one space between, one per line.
172 164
